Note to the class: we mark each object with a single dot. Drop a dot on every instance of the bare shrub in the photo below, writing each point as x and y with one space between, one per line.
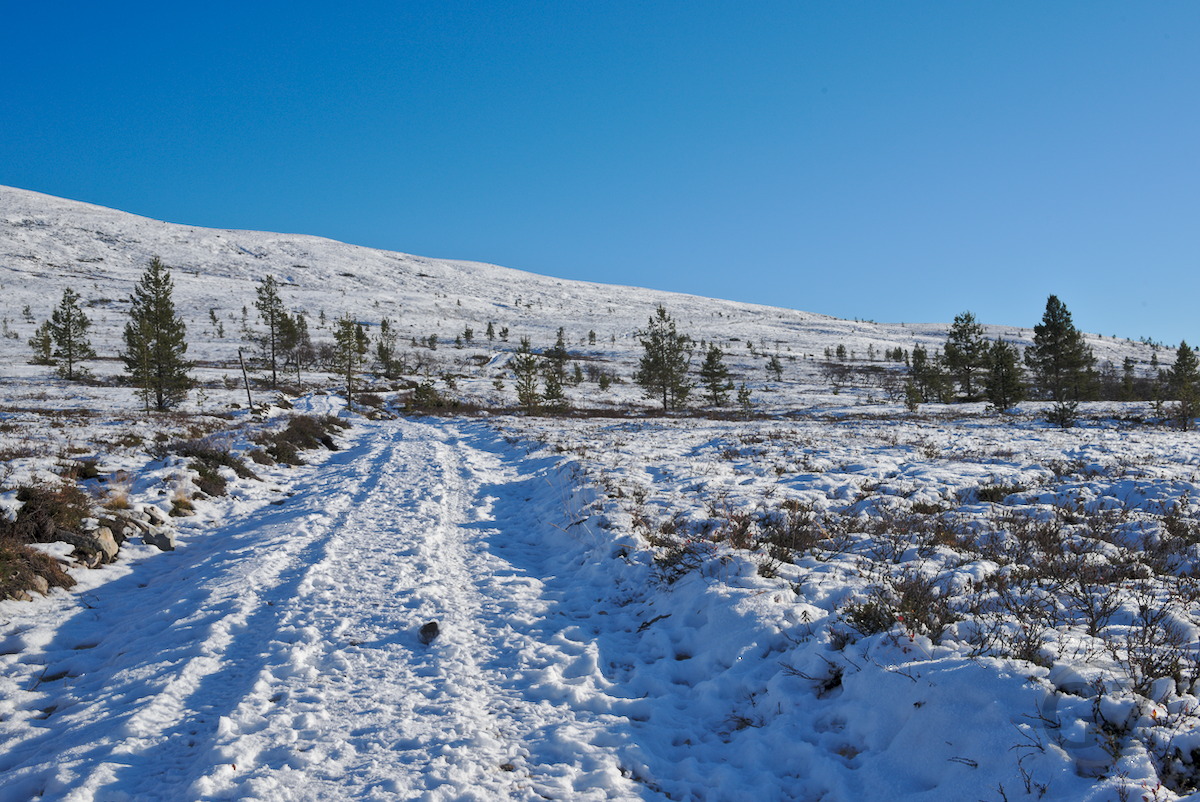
302 433
45 509
1154 645
21 568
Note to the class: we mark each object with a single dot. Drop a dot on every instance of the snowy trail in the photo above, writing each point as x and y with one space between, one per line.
278 657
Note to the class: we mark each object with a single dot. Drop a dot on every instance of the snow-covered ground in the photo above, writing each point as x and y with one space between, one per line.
841 600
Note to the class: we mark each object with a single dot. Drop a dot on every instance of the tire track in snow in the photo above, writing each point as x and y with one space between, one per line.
287 663
357 708
178 650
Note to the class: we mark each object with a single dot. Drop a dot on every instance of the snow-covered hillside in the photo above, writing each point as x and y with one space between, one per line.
47 244
838 599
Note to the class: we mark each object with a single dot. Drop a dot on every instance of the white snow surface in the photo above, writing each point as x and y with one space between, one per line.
275 655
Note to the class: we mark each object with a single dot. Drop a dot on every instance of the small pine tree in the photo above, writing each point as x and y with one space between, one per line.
1061 362
967 353
1183 386
524 365
68 330
271 313
1003 386
350 344
929 376
155 340
42 345
553 396
745 399
912 396
775 367
662 371
714 375
491 331
296 340
1128 380
557 357
385 349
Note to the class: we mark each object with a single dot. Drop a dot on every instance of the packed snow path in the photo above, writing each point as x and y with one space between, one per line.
279 656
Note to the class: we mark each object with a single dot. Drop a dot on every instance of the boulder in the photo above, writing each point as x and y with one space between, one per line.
121 528
155 515
161 537
108 543
93 548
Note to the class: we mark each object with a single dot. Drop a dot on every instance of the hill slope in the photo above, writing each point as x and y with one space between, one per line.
47 244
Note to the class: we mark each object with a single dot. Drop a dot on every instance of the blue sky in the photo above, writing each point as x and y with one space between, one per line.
881 160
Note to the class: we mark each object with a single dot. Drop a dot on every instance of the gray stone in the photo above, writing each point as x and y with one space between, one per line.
108 543
155 515
161 537
90 549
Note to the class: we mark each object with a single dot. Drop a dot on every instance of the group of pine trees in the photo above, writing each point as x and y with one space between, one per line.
663 371
1058 366
155 340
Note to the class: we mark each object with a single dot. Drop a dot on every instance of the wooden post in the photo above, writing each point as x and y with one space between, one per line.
245 380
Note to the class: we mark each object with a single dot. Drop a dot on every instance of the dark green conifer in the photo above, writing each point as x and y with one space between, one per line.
966 353
1183 386
1003 384
1061 362
714 375
662 371
155 340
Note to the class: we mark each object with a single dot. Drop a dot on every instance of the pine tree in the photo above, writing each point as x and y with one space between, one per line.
745 399
296 341
557 357
524 365
775 367
1061 362
155 340
714 375
1003 385
350 346
1128 379
912 396
68 331
662 371
271 312
929 376
966 354
553 396
1183 385
42 345
385 349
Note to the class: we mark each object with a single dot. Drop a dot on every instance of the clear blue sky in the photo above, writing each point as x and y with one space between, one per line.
899 161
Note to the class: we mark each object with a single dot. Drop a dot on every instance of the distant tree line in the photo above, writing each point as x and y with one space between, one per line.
1058 366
